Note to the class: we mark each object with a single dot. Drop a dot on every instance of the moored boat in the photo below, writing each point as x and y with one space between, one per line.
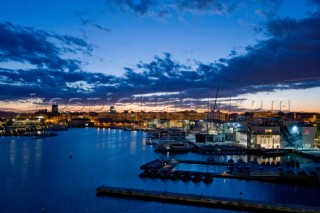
176 146
57 128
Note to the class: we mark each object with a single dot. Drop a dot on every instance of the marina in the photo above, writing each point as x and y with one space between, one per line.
277 173
192 106
113 157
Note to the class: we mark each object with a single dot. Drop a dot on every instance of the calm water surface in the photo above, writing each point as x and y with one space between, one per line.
38 174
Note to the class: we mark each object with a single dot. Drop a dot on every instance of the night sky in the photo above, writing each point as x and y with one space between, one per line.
160 54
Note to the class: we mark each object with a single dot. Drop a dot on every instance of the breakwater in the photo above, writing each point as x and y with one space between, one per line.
201 200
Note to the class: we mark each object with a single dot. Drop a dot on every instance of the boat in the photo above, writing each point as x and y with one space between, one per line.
157 141
39 136
176 146
191 137
57 128
44 135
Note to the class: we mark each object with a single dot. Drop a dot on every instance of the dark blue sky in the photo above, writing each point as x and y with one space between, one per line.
143 53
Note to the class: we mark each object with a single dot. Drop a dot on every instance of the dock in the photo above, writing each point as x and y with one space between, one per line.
204 162
165 169
311 154
203 201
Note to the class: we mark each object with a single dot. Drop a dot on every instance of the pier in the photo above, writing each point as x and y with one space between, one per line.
203 201
165 169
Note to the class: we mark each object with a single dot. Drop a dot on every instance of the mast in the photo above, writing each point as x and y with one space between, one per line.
229 108
209 114
214 108
215 101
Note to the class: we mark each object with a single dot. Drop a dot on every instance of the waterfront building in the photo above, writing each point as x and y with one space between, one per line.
317 139
41 112
266 131
230 129
79 122
288 134
263 114
112 109
23 125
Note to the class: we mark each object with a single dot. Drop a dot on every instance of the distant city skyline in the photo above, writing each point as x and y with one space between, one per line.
160 55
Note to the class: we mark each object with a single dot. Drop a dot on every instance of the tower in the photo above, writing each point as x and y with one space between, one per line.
112 109
55 109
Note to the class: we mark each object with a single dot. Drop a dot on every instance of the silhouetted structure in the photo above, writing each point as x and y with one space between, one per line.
55 109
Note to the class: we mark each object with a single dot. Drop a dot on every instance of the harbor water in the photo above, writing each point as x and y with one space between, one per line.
61 174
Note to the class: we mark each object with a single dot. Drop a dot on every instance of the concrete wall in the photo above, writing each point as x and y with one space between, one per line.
308 136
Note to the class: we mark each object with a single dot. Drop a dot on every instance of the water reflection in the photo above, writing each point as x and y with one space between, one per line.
133 146
12 152
113 157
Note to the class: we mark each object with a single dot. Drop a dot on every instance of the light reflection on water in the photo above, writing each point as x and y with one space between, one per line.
39 174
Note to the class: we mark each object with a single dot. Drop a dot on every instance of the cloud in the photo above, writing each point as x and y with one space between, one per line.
16 84
107 30
290 54
139 8
266 8
90 22
287 59
214 6
39 48
315 2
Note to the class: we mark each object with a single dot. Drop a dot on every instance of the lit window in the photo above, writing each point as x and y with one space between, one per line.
268 130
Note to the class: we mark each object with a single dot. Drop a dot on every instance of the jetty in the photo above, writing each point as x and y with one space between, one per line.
203 200
165 169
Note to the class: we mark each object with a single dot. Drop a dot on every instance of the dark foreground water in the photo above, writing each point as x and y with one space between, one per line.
38 174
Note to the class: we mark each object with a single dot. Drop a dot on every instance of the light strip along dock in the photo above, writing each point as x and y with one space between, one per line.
203 201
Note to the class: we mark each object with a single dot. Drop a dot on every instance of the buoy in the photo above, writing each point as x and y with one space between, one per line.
70 155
